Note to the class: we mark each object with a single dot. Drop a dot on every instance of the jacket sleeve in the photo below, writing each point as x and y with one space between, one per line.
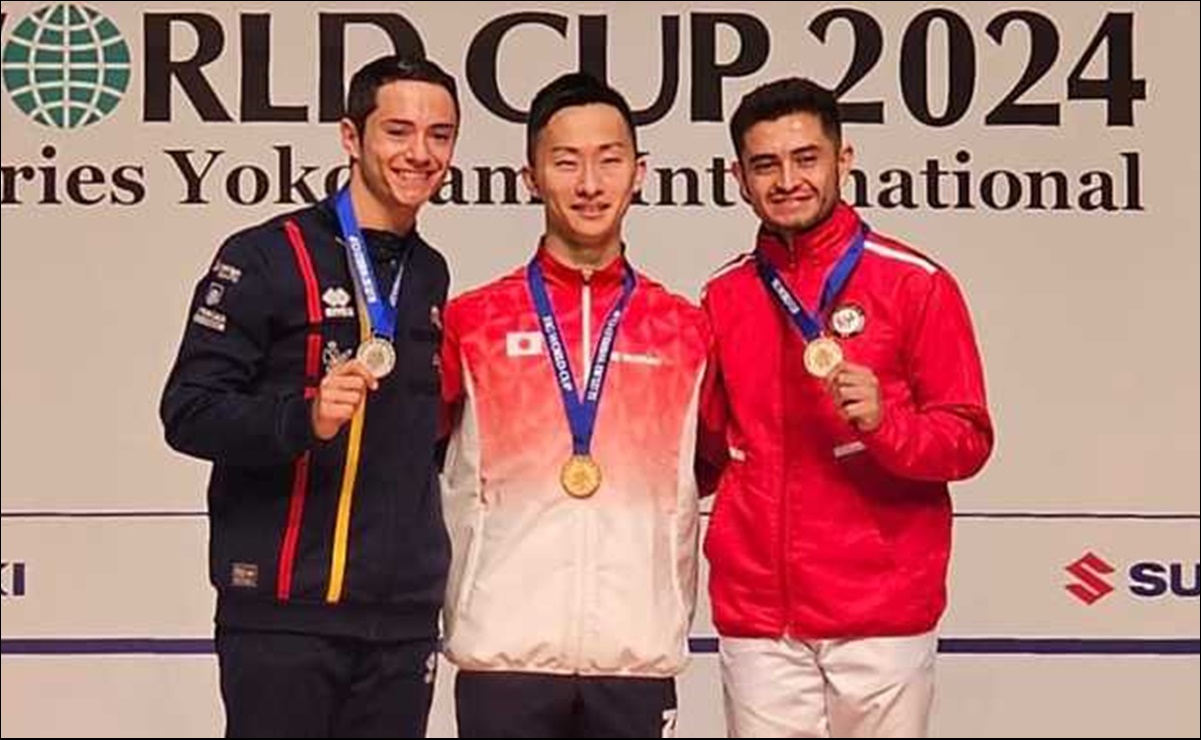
451 366
713 451
944 433
210 407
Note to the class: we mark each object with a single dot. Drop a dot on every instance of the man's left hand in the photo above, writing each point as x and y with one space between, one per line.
856 394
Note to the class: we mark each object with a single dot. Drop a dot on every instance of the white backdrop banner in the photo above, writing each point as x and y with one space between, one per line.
1045 152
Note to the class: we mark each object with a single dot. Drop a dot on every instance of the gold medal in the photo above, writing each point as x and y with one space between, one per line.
822 355
581 476
377 355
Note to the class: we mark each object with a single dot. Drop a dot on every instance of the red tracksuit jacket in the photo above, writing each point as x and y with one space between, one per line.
820 531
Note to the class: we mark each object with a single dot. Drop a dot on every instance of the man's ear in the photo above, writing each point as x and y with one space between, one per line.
527 177
639 171
740 176
349 134
846 161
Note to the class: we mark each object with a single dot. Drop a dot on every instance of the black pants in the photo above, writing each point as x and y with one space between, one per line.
541 705
278 684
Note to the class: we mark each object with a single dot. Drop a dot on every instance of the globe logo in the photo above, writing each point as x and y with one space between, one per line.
66 66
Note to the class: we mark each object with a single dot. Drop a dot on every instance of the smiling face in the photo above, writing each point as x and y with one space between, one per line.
791 172
403 153
586 171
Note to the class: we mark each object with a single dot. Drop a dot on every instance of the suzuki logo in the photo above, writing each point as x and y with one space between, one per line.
1090 587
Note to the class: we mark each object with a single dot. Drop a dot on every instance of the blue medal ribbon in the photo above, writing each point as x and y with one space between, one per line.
581 413
380 312
808 323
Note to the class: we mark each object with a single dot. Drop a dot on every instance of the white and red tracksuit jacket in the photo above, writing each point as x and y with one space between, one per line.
541 582
819 531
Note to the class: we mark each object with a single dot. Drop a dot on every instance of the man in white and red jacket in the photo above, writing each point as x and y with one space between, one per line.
571 388
849 392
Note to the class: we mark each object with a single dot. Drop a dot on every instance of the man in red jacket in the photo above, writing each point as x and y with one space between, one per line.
850 393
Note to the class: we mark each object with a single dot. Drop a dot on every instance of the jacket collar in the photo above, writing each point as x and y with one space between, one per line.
560 273
819 245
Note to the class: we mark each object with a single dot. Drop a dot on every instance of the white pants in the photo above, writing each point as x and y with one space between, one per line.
869 687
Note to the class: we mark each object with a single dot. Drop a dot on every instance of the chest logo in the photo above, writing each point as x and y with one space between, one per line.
848 320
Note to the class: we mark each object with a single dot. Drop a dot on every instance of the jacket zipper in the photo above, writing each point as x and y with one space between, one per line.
782 482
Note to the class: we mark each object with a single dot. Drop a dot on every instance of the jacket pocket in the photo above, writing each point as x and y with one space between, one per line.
720 512
473 546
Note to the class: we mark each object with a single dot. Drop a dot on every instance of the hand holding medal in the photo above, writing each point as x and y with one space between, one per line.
856 394
341 394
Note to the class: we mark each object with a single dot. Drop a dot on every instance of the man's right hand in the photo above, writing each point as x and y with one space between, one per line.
342 391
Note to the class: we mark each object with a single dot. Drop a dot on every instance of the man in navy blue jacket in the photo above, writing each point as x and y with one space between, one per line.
307 376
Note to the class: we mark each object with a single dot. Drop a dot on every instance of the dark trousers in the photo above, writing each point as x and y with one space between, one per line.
278 684
542 705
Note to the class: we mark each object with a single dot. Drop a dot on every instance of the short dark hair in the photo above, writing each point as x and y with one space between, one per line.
781 98
567 91
362 99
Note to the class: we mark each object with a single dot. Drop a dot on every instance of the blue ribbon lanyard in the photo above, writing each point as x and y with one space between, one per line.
381 313
581 413
808 323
